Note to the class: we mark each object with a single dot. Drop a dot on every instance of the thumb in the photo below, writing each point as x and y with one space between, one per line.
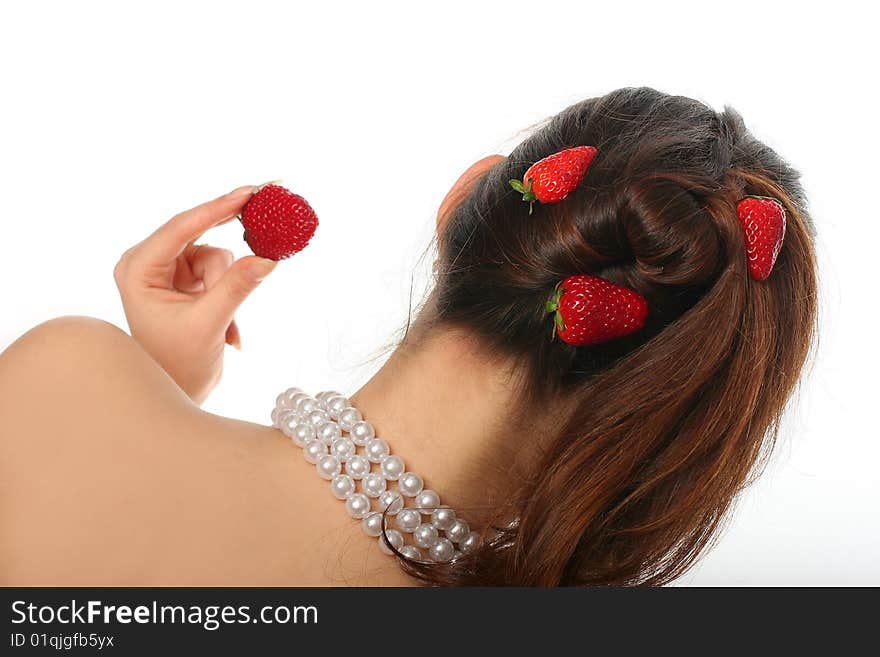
221 301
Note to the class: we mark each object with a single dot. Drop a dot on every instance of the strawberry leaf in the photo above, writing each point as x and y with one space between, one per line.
529 195
552 306
518 186
558 325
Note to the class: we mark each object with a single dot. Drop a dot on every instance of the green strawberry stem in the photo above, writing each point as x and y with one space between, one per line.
552 306
528 194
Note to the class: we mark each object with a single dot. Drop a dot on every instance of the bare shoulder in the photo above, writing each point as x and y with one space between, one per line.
110 475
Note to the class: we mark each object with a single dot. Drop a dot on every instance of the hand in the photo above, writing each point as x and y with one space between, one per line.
180 297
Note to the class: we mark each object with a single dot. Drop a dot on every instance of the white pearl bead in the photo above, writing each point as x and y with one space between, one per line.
392 467
348 418
410 484
324 395
442 551
357 466
373 484
287 421
274 417
342 485
317 417
394 537
314 450
283 401
300 433
408 520
328 466
362 432
306 405
457 530
335 406
425 535
427 501
357 505
281 415
372 524
343 449
443 518
296 397
470 542
411 552
290 416
328 431
391 501
376 449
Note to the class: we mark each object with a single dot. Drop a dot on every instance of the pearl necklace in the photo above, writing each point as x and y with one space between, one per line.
344 448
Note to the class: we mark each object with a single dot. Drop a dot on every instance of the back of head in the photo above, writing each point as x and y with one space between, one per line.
666 424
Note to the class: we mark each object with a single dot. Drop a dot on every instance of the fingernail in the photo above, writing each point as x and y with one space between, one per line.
260 268
247 190
271 182
236 342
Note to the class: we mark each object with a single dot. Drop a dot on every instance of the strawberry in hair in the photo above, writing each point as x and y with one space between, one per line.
553 178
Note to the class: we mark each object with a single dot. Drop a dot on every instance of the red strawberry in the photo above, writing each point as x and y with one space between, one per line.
763 222
552 179
277 223
589 310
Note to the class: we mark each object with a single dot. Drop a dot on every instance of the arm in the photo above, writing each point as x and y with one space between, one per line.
97 443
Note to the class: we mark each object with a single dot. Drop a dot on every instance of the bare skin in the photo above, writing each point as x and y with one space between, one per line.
110 473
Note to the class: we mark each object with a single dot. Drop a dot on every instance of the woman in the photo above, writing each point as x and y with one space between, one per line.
606 464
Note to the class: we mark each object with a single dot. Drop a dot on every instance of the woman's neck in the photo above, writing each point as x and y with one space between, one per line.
445 407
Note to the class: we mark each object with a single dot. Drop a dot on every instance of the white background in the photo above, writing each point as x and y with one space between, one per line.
113 118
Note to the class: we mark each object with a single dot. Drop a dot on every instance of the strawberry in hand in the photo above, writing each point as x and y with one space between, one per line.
277 223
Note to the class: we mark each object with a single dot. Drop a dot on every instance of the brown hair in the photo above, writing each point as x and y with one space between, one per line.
668 424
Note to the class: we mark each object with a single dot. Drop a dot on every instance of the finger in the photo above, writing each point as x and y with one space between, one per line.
184 279
210 263
170 239
218 304
198 266
233 335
